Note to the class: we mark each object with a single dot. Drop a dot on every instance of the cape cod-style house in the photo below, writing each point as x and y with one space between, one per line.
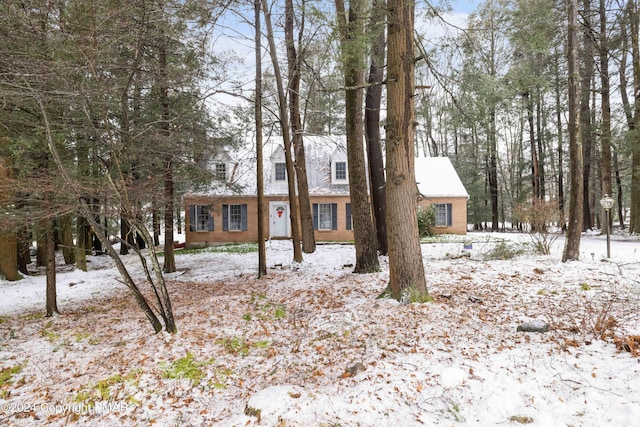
227 210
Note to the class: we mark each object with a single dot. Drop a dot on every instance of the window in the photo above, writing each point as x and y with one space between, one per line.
234 217
221 171
341 171
200 218
281 172
325 216
443 214
349 217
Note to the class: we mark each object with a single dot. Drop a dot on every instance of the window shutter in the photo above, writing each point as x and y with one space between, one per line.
225 217
315 216
192 218
349 216
334 216
243 218
449 214
210 218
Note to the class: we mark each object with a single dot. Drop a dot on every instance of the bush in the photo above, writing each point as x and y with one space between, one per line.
426 220
540 214
504 251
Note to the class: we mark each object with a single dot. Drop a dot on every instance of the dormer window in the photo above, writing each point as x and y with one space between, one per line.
281 172
221 171
341 171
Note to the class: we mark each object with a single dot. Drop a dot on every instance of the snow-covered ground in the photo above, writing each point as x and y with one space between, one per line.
311 345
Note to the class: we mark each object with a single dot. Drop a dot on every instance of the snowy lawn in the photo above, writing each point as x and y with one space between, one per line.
310 345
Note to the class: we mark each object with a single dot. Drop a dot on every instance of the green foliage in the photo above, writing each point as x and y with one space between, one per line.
220 376
426 220
257 296
235 345
102 389
265 309
187 368
505 250
280 313
7 374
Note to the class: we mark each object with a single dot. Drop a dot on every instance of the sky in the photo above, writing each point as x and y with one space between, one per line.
235 35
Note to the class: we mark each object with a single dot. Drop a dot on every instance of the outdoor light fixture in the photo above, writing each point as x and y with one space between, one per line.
607 203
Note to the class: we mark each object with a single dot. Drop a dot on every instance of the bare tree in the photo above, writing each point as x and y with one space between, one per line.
294 58
286 137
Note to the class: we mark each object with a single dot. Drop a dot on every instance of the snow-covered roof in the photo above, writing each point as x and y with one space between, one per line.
320 151
436 177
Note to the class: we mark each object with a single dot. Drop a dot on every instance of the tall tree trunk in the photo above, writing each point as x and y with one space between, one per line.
41 248
406 270
126 236
286 132
169 194
574 229
178 218
605 170
619 188
353 63
155 220
373 100
81 251
24 250
169 258
8 240
492 168
561 209
8 255
66 231
540 143
262 250
96 244
633 18
587 60
293 61
535 167
51 293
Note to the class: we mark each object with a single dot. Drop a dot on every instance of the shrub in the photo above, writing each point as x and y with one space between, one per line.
504 251
539 214
426 220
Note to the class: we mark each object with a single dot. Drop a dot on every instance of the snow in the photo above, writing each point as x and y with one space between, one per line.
447 184
311 345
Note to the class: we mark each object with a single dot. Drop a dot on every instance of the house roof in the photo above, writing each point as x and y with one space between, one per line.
436 177
319 152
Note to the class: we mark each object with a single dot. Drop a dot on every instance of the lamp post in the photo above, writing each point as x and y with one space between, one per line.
607 203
